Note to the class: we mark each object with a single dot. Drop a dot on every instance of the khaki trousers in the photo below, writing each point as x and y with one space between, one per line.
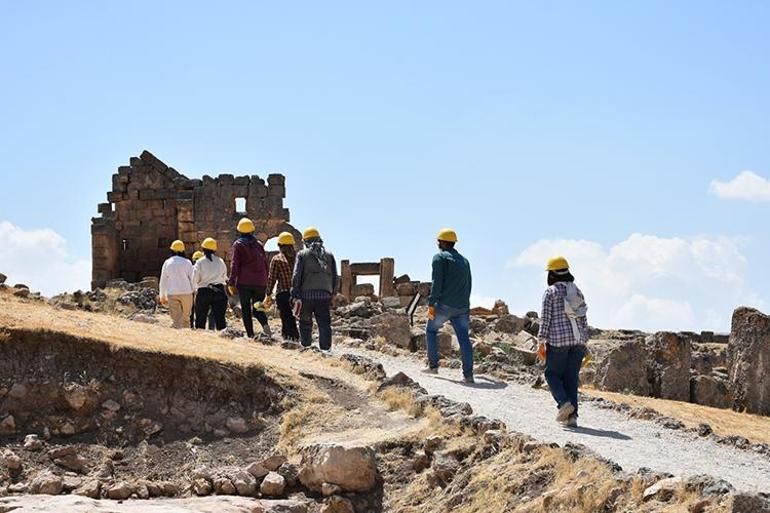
180 309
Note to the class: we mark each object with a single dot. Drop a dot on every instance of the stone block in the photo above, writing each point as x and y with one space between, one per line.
276 179
278 191
362 289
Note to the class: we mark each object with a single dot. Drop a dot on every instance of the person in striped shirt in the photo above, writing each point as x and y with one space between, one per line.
563 336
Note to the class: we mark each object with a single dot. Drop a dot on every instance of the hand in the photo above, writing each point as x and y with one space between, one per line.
432 313
232 290
164 301
297 307
541 351
268 301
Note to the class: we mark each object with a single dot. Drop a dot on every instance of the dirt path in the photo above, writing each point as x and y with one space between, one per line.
630 443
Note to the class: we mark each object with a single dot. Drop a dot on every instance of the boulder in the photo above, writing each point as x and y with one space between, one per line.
510 324
257 470
748 361
393 327
273 485
8 425
391 303
202 487
47 484
274 462
245 484
669 365
623 369
352 468
750 503
89 488
12 461
663 490
120 491
225 486
33 443
710 391
3 278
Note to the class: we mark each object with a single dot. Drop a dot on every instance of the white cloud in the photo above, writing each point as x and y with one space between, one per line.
485 301
747 186
646 282
41 259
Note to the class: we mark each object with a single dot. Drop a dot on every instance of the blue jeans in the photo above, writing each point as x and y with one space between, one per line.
562 371
460 320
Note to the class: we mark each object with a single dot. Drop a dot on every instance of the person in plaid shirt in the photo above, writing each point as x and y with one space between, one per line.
280 273
563 336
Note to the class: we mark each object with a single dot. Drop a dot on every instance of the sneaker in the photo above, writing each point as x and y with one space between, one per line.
430 370
565 410
469 379
571 422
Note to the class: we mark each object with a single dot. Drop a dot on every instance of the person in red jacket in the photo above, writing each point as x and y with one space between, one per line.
248 276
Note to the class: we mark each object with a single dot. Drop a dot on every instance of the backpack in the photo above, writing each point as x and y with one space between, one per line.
575 307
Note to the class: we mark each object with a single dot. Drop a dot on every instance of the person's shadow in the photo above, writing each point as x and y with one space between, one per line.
482 383
601 433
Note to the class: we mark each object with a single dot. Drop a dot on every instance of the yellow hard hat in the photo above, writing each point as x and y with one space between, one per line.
447 235
311 233
177 246
209 244
197 256
285 239
558 263
246 225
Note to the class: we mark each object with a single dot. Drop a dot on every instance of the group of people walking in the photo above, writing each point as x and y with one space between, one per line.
305 283
563 323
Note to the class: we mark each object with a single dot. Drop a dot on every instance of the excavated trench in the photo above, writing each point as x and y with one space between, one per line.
87 390
123 414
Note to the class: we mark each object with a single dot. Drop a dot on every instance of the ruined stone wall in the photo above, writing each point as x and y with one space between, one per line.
152 204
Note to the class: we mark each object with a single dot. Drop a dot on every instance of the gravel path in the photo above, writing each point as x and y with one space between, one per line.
629 442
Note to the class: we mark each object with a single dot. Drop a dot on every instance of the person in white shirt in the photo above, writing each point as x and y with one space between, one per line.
176 289
209 280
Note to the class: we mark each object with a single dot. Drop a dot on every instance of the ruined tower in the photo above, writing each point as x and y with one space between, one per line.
151 205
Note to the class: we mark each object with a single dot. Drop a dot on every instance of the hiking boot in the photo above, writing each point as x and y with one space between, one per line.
571 422
565 410
469 380
430 370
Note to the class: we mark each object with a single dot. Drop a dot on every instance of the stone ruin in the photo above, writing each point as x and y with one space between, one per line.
152 204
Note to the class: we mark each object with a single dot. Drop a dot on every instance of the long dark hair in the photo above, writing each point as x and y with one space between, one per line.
557 276
208 254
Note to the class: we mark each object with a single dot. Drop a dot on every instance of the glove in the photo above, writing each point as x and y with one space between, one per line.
297 307
232 290
541 352
432 313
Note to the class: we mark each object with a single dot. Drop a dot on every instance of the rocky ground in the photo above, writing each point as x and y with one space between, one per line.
99 407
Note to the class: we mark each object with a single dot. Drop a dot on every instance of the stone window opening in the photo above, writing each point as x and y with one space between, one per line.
240 206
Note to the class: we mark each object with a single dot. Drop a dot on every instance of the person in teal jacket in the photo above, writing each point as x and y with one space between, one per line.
449 300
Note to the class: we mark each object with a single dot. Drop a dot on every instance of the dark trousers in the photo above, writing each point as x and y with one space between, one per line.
562 372
321 309
288 323
210 302
249 295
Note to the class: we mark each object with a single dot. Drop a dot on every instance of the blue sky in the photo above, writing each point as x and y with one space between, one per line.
530 127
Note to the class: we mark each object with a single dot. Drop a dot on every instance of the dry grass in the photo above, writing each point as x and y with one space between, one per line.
544 481
724 422
310 414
